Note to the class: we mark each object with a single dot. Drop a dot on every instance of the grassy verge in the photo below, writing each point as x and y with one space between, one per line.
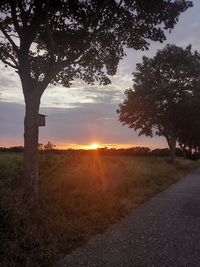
79 196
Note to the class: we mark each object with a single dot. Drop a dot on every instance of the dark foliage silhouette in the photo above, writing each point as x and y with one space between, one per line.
165 99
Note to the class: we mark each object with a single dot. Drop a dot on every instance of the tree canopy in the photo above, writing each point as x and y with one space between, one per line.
165 99
63 40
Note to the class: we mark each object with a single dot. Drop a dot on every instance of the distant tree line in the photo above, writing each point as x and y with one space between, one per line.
12 149
49 146
133 151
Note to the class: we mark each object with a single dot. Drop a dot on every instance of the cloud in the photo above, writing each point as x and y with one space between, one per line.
11 118
85 124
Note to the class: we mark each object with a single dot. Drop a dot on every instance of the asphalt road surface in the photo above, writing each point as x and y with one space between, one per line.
165 231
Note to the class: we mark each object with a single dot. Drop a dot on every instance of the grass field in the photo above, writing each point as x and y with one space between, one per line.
80 195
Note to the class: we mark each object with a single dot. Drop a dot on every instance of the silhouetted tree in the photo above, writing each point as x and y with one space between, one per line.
54 42
49 146
165 88
189 137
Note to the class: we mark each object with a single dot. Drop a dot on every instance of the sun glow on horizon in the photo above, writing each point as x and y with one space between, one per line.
94 146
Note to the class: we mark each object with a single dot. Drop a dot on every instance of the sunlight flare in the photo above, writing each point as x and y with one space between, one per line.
94 146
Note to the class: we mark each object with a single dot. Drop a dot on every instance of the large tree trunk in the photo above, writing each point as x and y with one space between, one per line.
172 147
30 150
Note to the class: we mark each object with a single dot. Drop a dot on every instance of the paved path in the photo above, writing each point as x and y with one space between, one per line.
165 231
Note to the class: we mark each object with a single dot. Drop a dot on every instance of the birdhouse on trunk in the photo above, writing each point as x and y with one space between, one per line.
41 121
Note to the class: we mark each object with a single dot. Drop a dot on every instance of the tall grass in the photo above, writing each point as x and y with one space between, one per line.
80 195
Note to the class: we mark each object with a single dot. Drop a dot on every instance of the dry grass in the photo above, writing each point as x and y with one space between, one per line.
80 195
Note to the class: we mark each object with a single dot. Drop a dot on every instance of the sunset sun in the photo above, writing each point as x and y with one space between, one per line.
94 146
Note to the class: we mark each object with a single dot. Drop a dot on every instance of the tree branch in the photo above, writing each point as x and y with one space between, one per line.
14 46
13 60
9 55
49 33
14 16
58 66
37 19
23 13
11 35
120 3
8 63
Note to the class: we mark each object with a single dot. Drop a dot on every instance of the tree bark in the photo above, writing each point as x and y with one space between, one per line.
172 147
31 132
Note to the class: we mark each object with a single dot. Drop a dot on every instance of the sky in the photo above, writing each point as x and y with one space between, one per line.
82 115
